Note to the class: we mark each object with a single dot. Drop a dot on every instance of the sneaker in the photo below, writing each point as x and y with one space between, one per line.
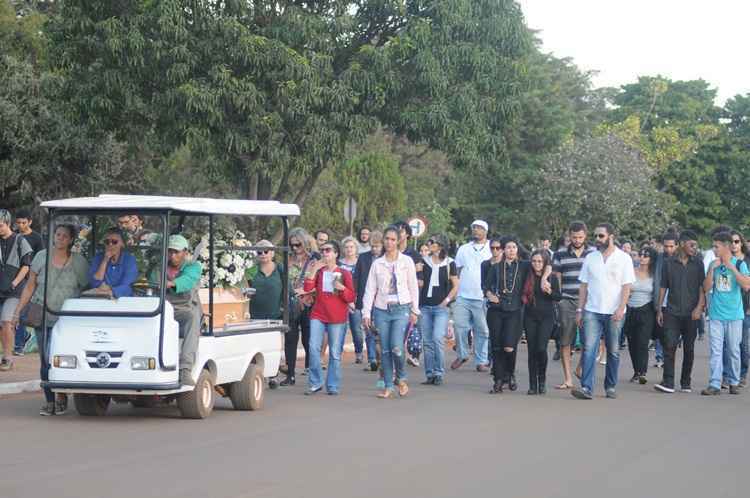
686 389
635 378
429 382
652 346
185 378
373 366
18 352
642 380
6 364
658 364
305 371
313 390
603 361
711 391
61 404
581 393
724 385
611 393
556 356
437 381
663 388
358 359
734 390
47 409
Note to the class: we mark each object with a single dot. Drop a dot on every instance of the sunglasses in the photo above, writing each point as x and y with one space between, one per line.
111 242
496 248
326 250
264 252
736 241
295 245
601 235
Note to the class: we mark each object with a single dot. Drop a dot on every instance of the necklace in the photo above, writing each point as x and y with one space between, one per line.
474 246
505 280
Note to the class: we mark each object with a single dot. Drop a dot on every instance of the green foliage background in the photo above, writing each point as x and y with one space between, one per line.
446 109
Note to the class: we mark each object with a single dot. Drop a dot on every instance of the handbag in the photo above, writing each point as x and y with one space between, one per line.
34 315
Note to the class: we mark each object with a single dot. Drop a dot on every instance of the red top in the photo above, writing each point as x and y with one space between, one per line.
331 307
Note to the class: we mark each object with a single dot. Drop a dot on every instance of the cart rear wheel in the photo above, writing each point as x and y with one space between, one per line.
249 393
91 405
198 403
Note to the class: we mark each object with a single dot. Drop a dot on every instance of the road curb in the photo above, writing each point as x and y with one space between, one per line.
19 387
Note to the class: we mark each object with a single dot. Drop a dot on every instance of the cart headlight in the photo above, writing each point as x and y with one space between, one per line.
142 363
65 361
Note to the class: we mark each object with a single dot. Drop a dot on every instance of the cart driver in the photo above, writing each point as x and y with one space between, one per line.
183 279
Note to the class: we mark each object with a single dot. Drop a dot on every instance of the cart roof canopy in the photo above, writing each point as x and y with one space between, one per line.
107 202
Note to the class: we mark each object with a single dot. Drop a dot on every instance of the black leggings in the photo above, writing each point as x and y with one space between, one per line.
639 326
538 333
42 339
505 332
291 340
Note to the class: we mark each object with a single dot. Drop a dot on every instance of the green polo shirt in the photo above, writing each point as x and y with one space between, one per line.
266 303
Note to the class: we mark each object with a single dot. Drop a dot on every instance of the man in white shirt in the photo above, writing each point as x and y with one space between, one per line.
468 312
606 277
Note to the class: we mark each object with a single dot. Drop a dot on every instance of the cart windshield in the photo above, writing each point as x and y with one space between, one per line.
113 263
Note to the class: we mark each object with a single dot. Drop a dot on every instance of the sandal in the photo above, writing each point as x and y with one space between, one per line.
386 394
403 388
564 386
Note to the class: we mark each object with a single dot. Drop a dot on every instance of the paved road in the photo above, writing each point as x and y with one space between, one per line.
450 441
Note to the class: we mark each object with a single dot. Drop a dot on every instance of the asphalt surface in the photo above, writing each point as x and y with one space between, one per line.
450 441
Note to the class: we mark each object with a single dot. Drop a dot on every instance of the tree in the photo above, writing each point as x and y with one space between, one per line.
279 89
599 179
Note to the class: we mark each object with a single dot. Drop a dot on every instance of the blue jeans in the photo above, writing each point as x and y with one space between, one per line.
391 325
659 350
724 334
596 325
336 332
355 325
745 347
434 325
470 314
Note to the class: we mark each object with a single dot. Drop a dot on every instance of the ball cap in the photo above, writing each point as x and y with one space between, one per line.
178 243
480 223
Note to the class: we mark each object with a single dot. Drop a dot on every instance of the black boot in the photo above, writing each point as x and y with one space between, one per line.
533 378
541 371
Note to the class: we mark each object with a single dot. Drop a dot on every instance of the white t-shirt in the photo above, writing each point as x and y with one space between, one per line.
469 260
605 280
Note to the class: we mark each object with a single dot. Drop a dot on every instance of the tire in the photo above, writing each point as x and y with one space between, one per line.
198 403
91 405
249 393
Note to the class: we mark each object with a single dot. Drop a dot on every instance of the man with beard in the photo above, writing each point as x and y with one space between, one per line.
363 239
606 277
669 249
566 264
682 286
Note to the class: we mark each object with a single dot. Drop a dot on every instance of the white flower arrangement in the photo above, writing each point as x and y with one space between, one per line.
230 265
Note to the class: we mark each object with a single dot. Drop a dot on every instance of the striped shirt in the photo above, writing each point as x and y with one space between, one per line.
568 265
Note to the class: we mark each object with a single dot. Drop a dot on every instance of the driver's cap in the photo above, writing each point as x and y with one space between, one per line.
178 243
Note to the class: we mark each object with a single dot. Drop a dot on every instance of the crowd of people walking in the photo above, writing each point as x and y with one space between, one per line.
494 294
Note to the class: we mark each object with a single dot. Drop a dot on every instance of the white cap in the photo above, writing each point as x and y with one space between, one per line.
481 223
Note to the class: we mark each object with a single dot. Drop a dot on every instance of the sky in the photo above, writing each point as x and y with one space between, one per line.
624 39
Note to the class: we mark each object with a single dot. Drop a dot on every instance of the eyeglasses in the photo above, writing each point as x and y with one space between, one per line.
736 241
496 248
601 235
326 250
111 242
295 245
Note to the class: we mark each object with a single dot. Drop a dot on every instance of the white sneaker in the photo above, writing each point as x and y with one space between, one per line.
663 388
603 361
